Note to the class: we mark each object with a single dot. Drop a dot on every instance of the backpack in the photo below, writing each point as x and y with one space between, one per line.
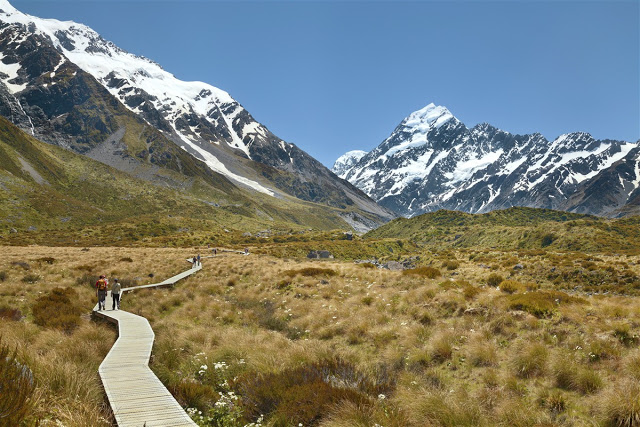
101 285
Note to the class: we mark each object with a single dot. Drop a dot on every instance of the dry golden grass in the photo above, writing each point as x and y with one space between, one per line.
454 350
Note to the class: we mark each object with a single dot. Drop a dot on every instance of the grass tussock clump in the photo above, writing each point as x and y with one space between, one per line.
428 272
442 408
620 405
530 361
311 272
305 394
570 375
16 388
481 352
58 310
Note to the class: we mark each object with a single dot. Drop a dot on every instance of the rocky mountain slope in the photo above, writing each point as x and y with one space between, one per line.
433 161
51 195
66 85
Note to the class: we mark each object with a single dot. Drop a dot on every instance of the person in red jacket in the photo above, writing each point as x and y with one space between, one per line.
101 291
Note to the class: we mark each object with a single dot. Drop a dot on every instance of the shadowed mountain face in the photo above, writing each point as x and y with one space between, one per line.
433 161
66 85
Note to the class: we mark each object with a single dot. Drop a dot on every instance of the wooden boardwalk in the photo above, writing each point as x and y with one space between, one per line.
136 395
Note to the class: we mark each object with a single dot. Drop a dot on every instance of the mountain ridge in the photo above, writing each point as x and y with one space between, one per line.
65 84
433 161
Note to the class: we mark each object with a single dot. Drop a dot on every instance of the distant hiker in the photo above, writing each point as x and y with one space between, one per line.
101 291
246 251
199 263
115 294
194 262
215 251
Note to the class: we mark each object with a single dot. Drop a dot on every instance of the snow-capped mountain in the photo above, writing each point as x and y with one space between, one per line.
48 75
433 161
346 162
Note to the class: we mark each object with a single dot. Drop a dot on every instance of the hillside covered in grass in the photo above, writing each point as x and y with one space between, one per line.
49 195
516 228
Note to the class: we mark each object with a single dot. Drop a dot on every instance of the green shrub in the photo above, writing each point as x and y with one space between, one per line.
368 265
428 272
58 309
510 286
470 291
3 276
541 303
451 265
494 280
16 388
547 239
126 259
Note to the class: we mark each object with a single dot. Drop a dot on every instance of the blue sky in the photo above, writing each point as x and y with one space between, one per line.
333 76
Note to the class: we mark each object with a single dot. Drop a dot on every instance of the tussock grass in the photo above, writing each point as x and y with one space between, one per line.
58 309
530 360
17 385
620 404
454 350
571 375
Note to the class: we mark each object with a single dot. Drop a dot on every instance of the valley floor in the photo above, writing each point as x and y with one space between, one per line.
466 337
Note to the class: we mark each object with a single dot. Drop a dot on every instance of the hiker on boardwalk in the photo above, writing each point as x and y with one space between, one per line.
115 294
101 291
194 262
246 251
215 251
199 263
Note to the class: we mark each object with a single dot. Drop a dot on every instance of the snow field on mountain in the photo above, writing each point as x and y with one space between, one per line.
419 168
11 70
173 97
216 165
